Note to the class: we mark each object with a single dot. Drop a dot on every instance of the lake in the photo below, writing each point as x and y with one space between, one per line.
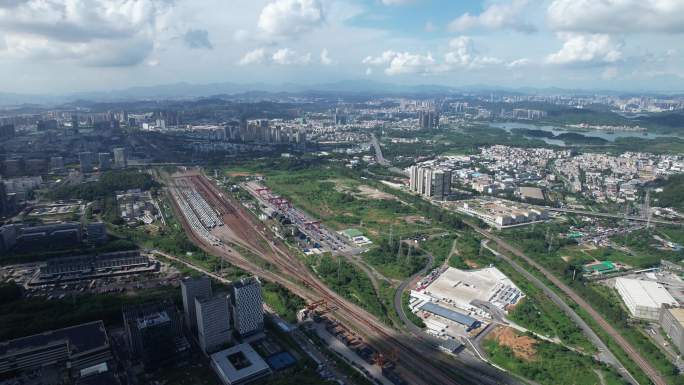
607 135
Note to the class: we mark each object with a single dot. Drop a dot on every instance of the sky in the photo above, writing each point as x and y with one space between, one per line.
64 46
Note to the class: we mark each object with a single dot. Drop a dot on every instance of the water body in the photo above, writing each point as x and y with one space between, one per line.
609 136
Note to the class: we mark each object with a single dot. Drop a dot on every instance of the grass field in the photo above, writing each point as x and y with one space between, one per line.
550 364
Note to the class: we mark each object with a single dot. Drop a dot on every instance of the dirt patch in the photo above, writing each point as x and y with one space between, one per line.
523 347
373 193
413 219
566 258
471 264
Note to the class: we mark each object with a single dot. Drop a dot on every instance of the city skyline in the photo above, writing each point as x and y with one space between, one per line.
81 45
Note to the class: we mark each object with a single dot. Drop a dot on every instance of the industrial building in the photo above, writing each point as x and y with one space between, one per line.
192 288
83 267
28 237
239 365
451 299
465 320
75 349
501 213
672 322
213 322
642 298
247 304
154 334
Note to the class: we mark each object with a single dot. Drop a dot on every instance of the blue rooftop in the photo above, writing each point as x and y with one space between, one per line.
449 314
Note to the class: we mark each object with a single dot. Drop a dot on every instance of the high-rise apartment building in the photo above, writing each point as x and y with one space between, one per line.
442 183
56 163
85 159
120 160
104 161
213 322
192 288
247 303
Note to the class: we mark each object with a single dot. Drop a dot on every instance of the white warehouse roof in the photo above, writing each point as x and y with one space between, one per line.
644 293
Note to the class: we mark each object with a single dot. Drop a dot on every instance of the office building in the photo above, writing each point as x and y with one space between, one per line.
239 365
86 161
74 121
75 349
643 299
672 322
213 322
247 304
120 160
104 161
192 288
154 334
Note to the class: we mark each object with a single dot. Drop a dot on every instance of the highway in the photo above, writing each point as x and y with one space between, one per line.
651 372
378 151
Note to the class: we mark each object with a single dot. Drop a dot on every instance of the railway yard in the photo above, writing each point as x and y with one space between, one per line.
242 240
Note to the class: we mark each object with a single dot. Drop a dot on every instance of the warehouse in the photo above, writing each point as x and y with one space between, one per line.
467 321
672 322
464 289
643 299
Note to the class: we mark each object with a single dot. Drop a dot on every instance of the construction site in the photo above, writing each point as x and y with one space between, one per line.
246 243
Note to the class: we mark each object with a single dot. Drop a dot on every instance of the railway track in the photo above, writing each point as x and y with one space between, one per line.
421 362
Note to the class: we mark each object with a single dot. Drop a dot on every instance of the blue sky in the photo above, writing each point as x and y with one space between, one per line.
59 46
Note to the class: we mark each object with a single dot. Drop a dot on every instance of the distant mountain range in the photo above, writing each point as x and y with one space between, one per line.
180 91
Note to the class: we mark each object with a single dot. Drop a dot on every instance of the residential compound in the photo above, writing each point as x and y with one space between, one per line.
430 182
510 170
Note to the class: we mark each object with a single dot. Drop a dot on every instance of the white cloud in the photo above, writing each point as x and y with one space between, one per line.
463 54
325 57
256 56
617 16
522 62
495 16
399 63
593 49
369 71
286 18
397 2
460 55
286 56
91 32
